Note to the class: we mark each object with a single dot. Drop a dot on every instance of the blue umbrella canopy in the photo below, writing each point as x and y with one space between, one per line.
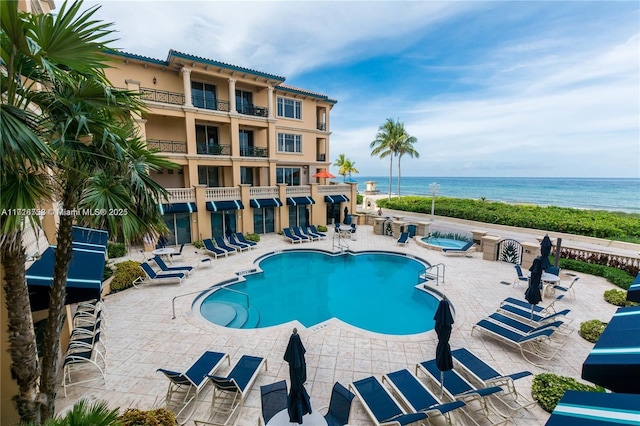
298 402
532 294
545 251
443 322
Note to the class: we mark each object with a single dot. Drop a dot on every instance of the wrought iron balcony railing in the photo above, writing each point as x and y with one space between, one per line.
211 104
162 96
177 147
322 157
213 149
322 126
253 110
254 151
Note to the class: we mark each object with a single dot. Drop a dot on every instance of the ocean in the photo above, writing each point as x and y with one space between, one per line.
613 194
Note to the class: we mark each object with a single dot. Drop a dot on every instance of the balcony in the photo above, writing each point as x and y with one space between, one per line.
222 193
322 157
257 111
181 195
175 147
254 151
162 96
213 149
322 126
211 104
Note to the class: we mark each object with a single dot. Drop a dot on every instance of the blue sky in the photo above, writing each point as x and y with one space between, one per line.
519 88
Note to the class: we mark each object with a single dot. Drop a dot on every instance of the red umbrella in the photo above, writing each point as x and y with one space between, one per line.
324 174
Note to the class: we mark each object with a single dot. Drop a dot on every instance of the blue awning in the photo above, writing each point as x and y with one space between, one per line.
595 408
177 208
336 198
298 201
216 206
614 361
633 294
258 203
89 239
84 281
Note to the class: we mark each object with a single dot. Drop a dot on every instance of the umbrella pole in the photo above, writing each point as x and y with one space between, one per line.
441 382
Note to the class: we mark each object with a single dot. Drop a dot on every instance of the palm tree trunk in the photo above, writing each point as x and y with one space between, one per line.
390 174
51 347
22 338
399 156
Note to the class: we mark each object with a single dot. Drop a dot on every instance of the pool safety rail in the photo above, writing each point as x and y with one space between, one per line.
433 272
340 243
246 296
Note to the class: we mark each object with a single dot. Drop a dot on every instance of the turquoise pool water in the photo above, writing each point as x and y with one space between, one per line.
372 291
444 242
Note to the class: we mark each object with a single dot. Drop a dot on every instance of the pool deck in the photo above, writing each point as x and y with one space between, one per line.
142 336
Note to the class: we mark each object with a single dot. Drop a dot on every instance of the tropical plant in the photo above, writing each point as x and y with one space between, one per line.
548 388
85 413
345 166
591 330
393 140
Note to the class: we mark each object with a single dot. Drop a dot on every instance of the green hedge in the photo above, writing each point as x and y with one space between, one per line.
592 223
548 388
115 250
618 298
125 274
613 275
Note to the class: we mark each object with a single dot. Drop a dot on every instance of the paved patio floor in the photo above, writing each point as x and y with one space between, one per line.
142 336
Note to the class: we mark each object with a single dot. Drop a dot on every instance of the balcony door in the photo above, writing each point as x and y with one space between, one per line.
207 140
244 102
203 95
246 143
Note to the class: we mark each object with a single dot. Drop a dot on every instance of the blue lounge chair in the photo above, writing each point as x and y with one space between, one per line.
242 239
290 237
315 231
567 289
178 253
549 309
339 406
237 244
538 344
312 234
459 389
465 250
305 233
525 314
273 399
212 250
298 233
161 277
78 359
185 387
521 276
380 405
417 396
230 392
404 238
186 269
487 376
522 327
223 246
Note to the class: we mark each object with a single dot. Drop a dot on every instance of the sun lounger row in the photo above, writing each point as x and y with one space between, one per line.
86 351
229 392
235 243
541 336
295 234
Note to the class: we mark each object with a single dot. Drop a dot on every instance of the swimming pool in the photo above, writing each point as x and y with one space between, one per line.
437 243
375 291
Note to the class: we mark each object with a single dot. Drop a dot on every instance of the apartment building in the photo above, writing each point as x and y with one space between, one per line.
247 146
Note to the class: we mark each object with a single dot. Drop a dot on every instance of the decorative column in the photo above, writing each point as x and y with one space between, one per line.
186 82
232 95
270 101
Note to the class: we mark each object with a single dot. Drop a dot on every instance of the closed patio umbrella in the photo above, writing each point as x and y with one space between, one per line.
298 402
545 251
532 294
444 321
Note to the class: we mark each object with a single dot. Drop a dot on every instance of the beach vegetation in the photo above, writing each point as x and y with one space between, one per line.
592 329
392 140
548 388
618 298
592 223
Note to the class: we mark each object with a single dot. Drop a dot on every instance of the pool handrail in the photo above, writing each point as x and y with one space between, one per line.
423 275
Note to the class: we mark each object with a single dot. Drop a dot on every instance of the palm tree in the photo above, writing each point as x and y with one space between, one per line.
345 166
405 146
386 143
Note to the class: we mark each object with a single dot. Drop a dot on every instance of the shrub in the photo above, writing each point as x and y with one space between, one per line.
198 244
592 329
116 250
321 228
548 388
157 417
359 198
615 276
106 272
618 298
253 237
125 274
